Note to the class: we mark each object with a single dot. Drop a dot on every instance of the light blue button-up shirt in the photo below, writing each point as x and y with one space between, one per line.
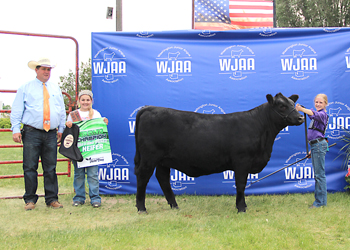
27 108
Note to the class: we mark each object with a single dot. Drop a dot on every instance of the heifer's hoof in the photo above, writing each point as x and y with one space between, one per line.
174 207
241 211
142 212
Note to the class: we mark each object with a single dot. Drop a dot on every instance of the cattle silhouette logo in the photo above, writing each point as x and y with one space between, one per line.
109 64
339 119
300 174
210 109
179 180
299 61
347 61
237 62
174 64
144 34
115 174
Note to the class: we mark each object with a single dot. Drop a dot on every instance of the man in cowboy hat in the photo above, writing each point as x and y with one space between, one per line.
42 128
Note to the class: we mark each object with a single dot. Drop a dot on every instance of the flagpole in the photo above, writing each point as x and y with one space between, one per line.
119 15
274 13
193 14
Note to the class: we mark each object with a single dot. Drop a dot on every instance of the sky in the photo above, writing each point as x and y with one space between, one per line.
72 18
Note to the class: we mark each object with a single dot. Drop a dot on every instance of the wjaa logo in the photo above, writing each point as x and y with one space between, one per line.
109 64
237 61
299 61
132 121
114 174
300 174
347 61
339 120
174 64
179 180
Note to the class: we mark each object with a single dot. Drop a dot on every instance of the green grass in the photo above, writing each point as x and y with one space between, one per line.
202 222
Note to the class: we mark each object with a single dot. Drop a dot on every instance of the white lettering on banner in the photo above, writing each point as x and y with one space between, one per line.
179 176
300 61
299 64
237 61
347 62
109 63
114 174
286 129
174 63
109 67
132 121
179 181
210 108
229 175
237 64
132 125
339 122
173 67
299 173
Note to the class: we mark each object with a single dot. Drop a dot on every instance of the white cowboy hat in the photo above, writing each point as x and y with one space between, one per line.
41 62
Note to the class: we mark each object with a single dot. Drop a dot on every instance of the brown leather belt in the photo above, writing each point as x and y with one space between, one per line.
37 128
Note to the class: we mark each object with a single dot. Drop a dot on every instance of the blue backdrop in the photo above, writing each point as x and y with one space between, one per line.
221 72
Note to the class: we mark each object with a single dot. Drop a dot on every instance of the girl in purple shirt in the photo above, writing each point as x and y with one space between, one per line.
316 137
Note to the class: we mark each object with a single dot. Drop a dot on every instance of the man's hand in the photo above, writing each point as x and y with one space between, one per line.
17 137
59 137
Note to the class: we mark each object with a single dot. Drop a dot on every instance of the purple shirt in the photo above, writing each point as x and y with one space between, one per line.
320 122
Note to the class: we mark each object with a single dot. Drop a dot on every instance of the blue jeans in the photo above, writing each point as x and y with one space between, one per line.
44 144
318 155
92 180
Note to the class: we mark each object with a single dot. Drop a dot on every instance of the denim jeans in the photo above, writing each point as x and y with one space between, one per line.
44 144
318 155
92 180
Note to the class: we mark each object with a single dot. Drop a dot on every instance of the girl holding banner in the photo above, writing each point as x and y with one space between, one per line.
84 113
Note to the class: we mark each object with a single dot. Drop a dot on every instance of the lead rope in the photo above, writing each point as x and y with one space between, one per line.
307 155
307 143
252 182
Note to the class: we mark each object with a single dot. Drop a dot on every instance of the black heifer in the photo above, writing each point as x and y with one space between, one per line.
202 144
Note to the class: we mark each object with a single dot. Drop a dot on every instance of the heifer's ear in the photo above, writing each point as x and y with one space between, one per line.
269 98
294 98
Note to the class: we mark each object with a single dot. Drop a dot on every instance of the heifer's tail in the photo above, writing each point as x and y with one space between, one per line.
137 157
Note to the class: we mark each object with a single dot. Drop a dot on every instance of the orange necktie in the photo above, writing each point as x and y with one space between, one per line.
46 124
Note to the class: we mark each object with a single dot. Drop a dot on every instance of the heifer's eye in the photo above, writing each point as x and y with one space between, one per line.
283 108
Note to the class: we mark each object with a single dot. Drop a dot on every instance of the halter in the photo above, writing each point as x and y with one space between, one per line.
283 116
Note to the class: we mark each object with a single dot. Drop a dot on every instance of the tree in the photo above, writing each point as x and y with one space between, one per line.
5 123
312 13
5 115
68 85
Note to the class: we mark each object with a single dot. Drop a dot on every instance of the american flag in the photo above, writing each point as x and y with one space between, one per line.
232 14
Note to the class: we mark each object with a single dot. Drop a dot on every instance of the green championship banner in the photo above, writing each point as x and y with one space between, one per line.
93 143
